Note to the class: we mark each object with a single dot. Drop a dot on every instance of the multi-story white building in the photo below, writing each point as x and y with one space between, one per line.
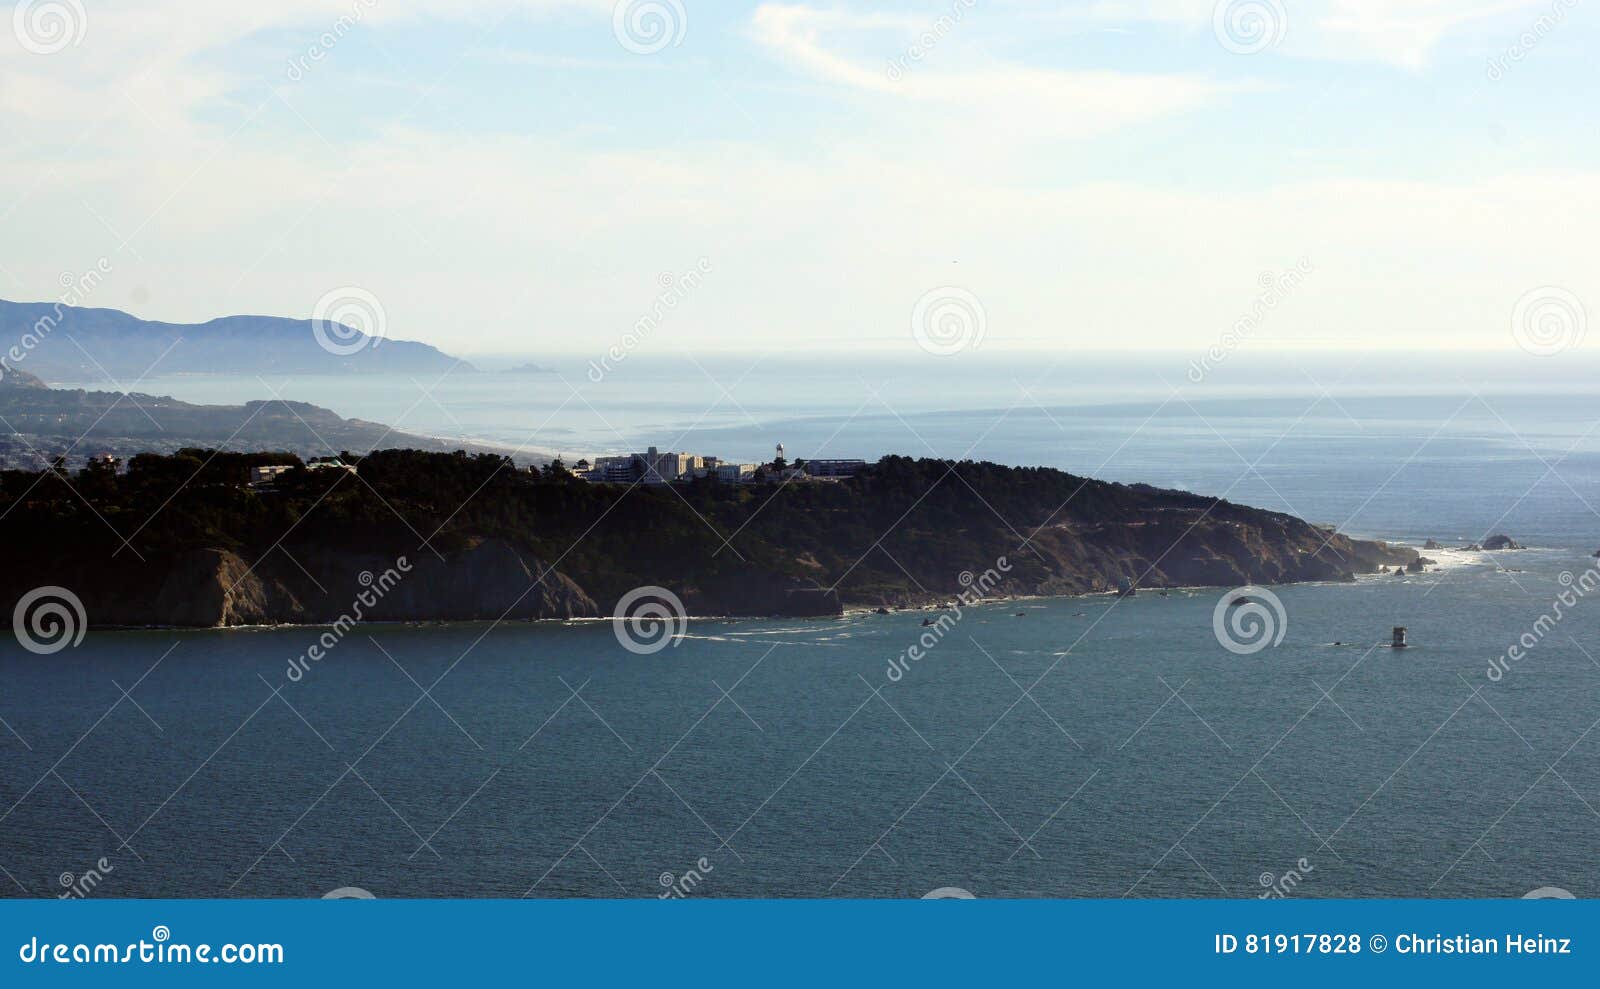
835 468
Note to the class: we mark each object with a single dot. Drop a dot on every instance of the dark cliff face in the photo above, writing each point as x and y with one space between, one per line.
216 587
1183 550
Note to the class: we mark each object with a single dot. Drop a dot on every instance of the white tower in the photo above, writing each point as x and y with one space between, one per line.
780 452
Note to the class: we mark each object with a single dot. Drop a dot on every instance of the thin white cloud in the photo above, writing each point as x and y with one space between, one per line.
921 61
1405 33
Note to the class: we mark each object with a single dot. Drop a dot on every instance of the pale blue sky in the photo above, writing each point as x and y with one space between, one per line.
510 176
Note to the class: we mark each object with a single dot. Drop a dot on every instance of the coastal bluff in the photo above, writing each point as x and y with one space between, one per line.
406 535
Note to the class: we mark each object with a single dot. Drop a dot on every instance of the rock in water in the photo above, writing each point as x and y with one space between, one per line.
1499 542
1431 544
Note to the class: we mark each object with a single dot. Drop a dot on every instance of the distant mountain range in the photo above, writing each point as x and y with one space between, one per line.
75 344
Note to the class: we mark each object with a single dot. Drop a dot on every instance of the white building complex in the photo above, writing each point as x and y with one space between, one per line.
655 466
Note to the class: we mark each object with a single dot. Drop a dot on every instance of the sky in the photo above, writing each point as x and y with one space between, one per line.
574 176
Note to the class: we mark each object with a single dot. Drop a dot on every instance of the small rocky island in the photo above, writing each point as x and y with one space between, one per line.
198 538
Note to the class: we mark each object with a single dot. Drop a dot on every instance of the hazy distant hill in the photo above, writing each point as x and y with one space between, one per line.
125 346
38 423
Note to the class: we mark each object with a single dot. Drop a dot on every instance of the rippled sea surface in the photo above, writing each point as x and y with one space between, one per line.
1085 747
1146 759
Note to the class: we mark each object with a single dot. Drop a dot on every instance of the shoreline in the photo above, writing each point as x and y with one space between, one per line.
850 610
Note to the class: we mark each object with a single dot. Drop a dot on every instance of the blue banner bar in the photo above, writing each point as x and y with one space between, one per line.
810 943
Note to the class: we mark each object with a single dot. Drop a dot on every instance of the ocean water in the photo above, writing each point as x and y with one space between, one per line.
1087 747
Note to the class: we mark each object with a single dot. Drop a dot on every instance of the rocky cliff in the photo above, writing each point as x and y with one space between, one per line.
311 585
